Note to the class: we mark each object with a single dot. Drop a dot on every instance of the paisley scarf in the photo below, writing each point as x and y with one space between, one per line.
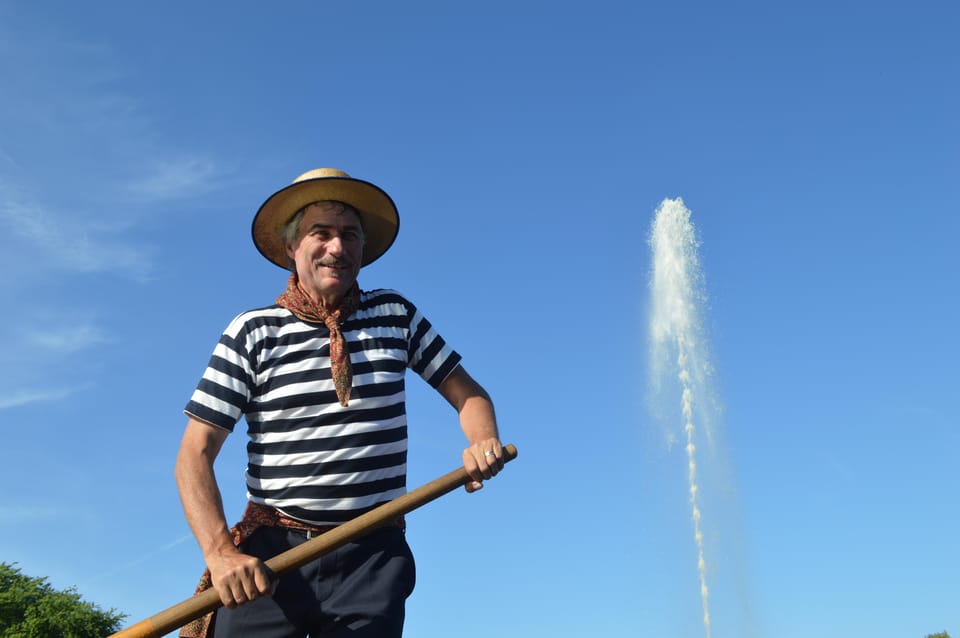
296 300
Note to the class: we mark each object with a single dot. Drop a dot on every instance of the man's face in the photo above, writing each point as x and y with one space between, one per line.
327 251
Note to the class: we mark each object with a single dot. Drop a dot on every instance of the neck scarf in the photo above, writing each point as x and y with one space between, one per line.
296 300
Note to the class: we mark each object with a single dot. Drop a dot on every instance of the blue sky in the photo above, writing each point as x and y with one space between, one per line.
527 146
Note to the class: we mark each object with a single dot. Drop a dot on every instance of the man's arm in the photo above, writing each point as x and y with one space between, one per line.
483 459
238 578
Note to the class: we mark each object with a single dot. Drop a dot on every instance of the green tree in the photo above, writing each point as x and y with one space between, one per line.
942 634
31 608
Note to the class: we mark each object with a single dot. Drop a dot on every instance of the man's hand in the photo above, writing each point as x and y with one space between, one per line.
482 460
238 577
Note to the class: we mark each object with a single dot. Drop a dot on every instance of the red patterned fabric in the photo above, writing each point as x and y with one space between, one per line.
296 300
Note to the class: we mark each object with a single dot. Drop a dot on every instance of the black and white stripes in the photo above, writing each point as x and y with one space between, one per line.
308 456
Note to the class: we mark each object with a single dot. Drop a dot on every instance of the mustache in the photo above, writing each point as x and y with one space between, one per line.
339 262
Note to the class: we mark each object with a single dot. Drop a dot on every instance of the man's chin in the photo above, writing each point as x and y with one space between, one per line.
336 284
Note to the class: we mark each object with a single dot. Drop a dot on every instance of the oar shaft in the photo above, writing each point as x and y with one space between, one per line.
209 600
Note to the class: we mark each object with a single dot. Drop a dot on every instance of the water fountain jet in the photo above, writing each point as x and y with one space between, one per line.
676 329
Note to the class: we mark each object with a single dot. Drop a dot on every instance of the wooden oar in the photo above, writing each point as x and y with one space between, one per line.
209 600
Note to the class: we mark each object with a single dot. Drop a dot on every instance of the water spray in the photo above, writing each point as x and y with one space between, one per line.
677 294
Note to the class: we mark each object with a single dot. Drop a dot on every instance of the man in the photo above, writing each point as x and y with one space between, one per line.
319 378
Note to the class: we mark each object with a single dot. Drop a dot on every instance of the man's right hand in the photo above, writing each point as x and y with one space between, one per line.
239 578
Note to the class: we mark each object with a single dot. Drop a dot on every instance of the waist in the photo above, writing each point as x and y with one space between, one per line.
259 514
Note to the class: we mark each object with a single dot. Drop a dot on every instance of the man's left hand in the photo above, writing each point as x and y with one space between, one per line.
482 460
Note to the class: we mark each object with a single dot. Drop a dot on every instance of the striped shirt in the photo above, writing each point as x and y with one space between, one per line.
308 456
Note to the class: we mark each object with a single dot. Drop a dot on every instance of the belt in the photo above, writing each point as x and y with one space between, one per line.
316 530
268 516
313 532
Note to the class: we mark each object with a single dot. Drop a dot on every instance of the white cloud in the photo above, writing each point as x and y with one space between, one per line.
56 241
84 170
19 398
74 338
176 178
41 348
83 164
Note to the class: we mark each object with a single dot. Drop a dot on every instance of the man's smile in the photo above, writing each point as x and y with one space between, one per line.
339 265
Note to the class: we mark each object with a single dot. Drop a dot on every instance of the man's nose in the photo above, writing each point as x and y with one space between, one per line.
335 245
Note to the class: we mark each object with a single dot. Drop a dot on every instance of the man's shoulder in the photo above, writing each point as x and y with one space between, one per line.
382 296
273 315
266 312
385 302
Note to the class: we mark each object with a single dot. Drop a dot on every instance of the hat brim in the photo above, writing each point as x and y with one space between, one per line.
378 214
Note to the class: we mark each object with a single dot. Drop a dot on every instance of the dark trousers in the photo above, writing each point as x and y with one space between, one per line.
356 591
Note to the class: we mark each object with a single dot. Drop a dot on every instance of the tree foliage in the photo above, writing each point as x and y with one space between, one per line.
941 634
32 608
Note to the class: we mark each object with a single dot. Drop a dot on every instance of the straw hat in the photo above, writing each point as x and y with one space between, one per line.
378 213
